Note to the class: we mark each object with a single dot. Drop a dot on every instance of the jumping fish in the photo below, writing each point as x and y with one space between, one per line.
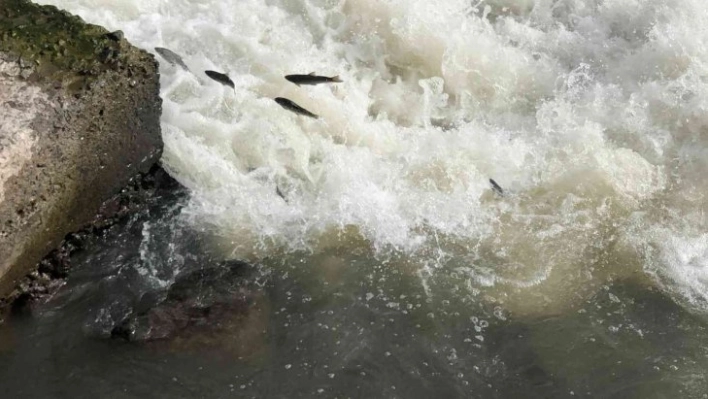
496 187
280 193
312 79
291 106
171 57
221 78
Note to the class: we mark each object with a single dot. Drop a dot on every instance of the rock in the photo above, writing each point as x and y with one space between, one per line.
220 308
145 194
80 117
116 36
204 300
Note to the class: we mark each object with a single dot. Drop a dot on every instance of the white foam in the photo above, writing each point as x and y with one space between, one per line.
685 261
589 114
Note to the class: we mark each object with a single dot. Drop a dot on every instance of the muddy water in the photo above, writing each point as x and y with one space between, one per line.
383 263
336 324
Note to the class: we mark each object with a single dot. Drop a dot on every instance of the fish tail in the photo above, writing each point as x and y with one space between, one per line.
336 79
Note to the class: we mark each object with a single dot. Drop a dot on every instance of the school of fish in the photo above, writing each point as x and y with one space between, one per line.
299 79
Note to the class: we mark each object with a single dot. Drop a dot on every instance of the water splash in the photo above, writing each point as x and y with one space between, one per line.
590 113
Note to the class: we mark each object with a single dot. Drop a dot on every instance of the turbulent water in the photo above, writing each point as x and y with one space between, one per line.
590 114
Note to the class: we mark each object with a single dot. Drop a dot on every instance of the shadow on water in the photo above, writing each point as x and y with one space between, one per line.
151 311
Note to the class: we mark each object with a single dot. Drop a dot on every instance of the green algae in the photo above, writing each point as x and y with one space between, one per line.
59 46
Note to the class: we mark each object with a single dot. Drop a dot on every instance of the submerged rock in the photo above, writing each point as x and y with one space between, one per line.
202 301
80 116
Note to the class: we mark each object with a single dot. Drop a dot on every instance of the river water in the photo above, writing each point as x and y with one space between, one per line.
384 264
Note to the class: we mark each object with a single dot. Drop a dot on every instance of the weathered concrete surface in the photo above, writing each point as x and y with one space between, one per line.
147 194
80 112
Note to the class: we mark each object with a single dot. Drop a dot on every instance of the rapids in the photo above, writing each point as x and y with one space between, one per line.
590 114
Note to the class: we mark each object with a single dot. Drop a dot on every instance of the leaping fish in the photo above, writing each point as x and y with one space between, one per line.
496 187
280 193
291 106
221 78
312 79
171 57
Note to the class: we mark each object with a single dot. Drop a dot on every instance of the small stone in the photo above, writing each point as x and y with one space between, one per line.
117 35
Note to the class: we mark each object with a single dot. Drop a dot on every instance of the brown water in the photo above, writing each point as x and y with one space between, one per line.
388 266
340 324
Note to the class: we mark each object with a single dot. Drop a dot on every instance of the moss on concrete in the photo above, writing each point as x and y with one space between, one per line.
61 47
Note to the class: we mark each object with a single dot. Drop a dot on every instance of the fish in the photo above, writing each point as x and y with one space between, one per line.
291 106
221 78
280 193
312 79
171 57
496 187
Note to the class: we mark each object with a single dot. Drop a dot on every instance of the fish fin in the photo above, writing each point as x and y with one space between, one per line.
311 74
336 79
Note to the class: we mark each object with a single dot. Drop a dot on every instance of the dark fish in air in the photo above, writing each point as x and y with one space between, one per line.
312 79
171 57
280 193
290 105
496 187
221 78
